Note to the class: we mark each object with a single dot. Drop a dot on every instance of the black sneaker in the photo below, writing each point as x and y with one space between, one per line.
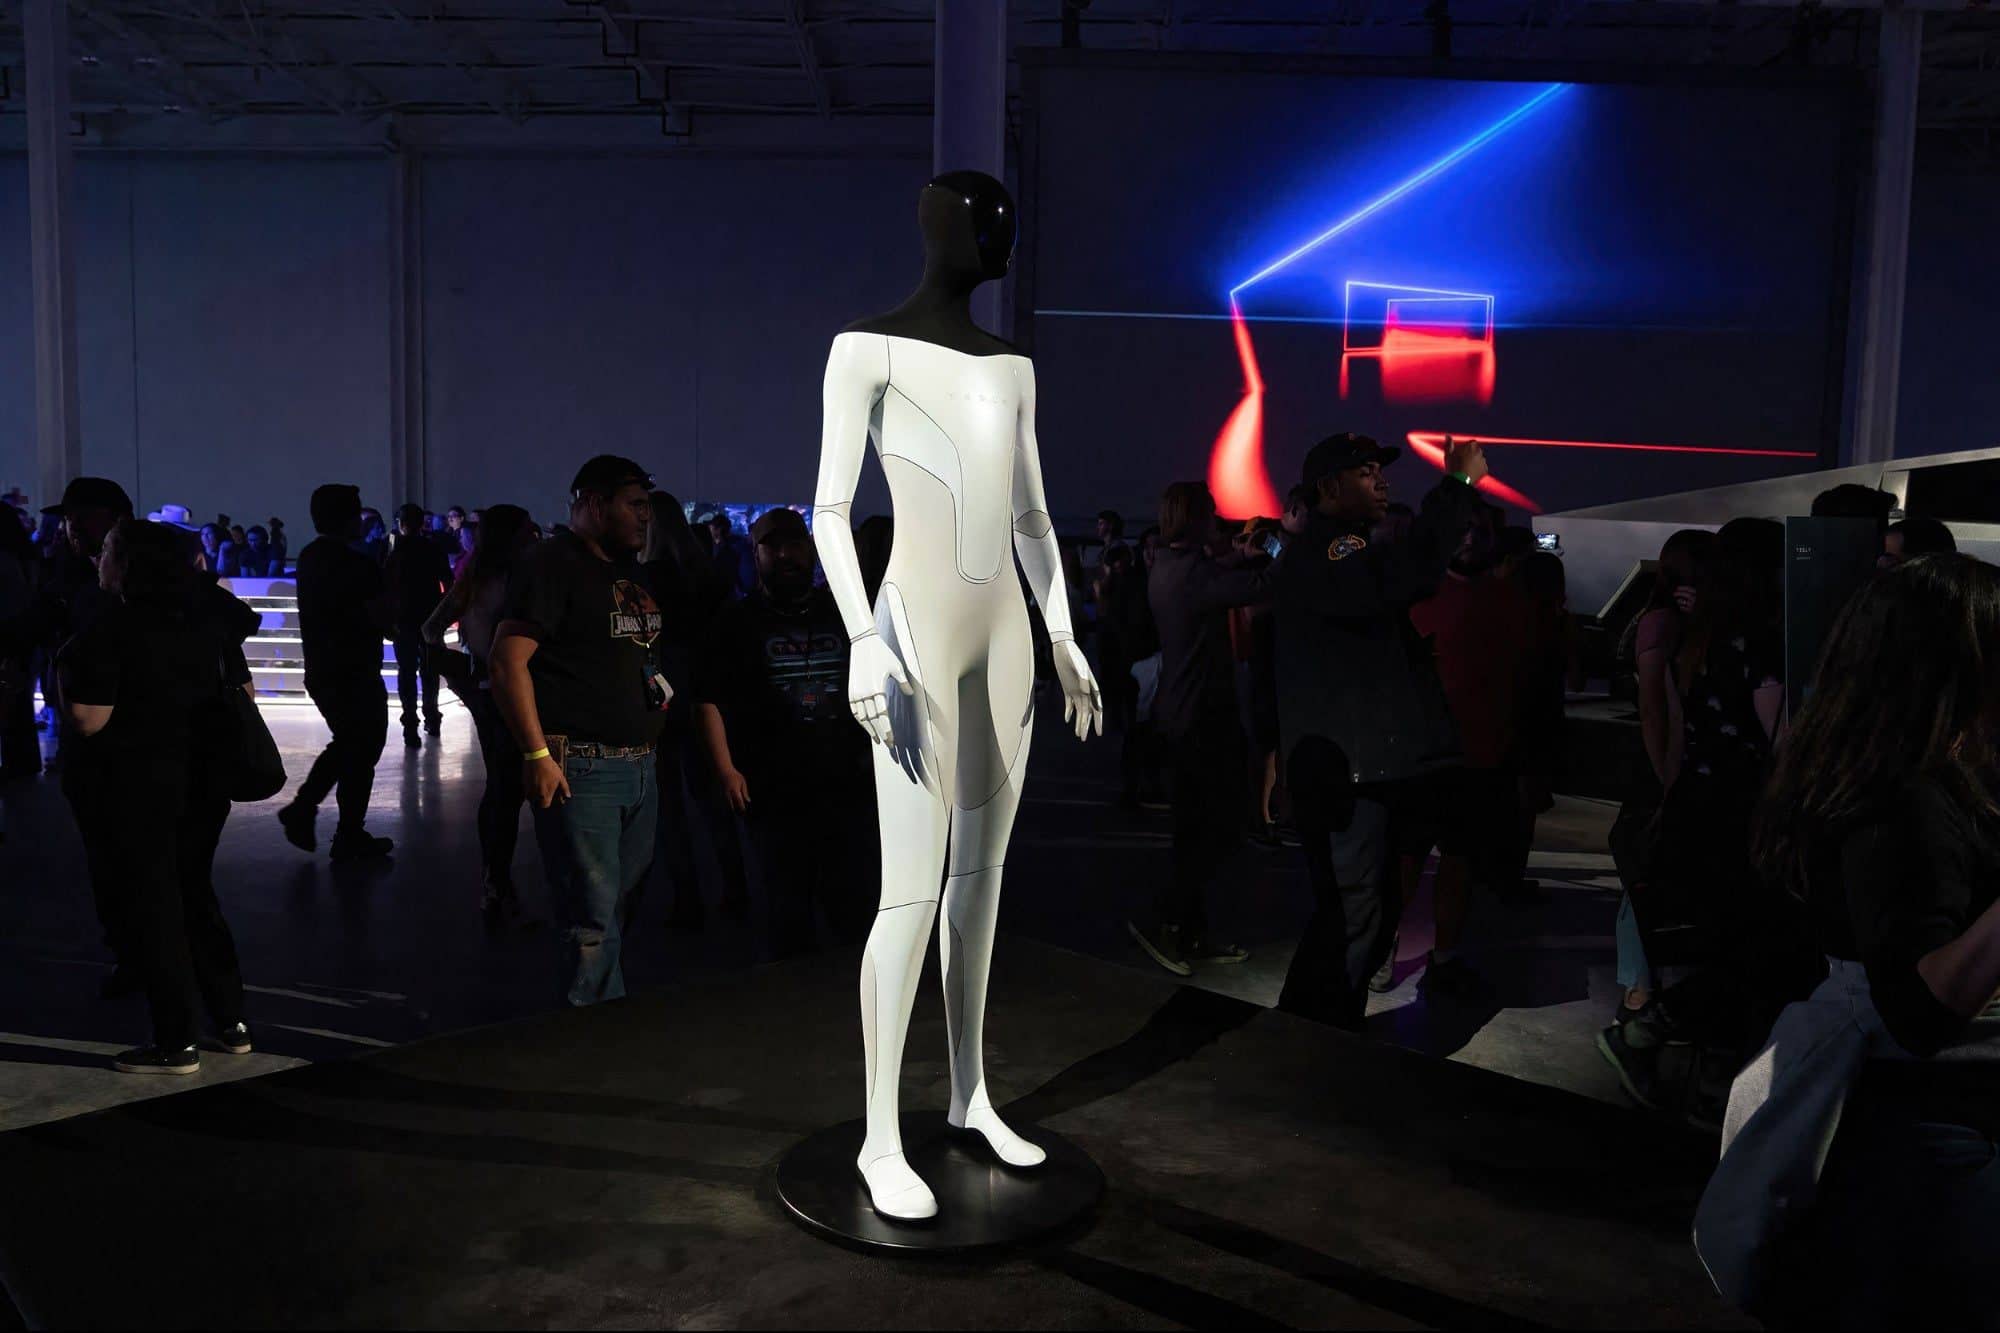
298 821
235 1038
434 724
1637 1064
1207 951
1163 945
157 1060
1384 979
411 740
360 847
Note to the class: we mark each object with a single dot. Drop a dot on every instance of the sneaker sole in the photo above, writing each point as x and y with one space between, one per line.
236 1050
1223 958
181 1071
1139 937
1624 1075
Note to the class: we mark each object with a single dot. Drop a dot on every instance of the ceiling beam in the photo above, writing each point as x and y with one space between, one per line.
169 77
301 60
503 96
621 28
795 23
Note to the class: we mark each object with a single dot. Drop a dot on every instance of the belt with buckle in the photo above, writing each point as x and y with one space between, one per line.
591 750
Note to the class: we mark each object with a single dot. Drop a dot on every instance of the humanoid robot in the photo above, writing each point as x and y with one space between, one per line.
943 670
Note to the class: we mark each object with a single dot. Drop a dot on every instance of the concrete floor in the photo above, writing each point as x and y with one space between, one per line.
342 960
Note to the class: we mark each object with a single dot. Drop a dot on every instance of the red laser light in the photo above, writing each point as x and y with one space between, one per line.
1436 440
1236 471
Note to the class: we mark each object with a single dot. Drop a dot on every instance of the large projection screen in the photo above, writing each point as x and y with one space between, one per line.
1629 288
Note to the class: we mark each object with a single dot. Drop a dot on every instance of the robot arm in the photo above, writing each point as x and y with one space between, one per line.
1041 558
857 374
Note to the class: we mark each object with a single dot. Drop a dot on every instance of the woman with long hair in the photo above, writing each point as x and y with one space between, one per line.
1755 952
1881 817
139 685
1653 642
474 604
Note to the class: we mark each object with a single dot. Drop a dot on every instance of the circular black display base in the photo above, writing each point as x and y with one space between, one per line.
981 1202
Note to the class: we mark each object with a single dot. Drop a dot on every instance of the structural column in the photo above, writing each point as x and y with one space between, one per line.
969 119
409 460
58 443
1895 144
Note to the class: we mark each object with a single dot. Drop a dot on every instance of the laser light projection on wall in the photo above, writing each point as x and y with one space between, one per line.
1430 344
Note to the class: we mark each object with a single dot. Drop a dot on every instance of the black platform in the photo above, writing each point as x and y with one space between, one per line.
983 1204
613 1167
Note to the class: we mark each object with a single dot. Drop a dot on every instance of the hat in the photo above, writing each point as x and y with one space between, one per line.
1342 452
605 474
779 522
93 493
177 515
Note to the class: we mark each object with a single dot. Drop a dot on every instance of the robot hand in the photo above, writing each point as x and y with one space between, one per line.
872 667
1083 705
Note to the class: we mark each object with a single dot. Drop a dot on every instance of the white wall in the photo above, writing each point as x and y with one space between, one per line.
234 320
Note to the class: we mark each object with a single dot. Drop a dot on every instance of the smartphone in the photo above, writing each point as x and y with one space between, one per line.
1273 544
1551 542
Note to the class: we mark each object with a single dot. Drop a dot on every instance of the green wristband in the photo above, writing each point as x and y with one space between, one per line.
1461 476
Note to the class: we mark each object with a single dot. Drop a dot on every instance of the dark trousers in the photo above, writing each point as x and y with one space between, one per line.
676 833
20 743
102 863
158 851
1902 1233
818 854
357 714
1207 818
500 803
414 663
1350 851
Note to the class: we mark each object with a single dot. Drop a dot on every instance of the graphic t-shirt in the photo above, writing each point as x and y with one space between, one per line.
779 675
597 630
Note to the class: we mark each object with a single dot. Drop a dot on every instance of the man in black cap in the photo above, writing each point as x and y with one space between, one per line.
343 616
576 673
772 680
417 574
68 602
1362 715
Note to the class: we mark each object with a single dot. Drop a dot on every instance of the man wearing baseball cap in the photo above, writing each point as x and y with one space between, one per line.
576 674
771 677
1362 715
68 602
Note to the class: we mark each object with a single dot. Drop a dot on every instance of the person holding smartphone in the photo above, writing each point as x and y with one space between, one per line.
1362 714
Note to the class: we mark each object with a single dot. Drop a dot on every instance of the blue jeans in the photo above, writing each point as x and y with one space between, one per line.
1633 969
596 849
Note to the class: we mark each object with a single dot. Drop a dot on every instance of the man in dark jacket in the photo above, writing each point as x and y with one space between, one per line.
1361 713
418 575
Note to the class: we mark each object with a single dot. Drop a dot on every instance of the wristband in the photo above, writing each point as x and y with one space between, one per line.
1461 476
530 758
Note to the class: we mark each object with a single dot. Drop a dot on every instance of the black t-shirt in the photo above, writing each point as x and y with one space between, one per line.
418 574
343 644
155 668
597 630
779 675
1907 880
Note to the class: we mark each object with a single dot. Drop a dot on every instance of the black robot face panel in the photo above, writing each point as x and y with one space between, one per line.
991 211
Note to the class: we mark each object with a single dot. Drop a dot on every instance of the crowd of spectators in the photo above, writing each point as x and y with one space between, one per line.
1369 682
